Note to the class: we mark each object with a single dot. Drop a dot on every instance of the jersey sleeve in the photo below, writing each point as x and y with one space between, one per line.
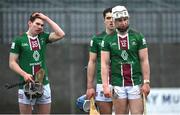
45 37
93 45
16 46
105 44
142 42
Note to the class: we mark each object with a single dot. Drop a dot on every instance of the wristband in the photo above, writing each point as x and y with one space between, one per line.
146 81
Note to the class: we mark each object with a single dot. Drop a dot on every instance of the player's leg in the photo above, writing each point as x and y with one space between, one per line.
104 104
120 100
44 108
135 100
44 102
104 107
120 106
25 104
136 106
25 108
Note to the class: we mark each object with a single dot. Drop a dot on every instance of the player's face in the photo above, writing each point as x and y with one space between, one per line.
108 21
122 24
36 27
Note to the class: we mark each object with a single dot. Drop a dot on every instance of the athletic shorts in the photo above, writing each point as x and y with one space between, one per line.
100 95
127 92
44 99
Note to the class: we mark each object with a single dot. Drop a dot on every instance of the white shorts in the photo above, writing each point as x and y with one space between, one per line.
100 95
44 99
128 92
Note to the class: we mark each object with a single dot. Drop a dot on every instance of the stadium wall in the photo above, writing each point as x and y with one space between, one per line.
67 75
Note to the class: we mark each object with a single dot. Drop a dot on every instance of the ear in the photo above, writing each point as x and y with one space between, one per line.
29 23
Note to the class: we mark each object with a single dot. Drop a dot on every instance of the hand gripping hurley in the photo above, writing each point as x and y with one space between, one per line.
35 90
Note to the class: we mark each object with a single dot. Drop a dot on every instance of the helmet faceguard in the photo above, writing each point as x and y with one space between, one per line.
83 104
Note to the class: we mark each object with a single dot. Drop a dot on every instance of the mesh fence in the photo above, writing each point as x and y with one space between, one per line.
158 21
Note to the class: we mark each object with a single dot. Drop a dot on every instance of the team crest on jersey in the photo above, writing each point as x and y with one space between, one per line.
124 55
42 40
36 55
133 42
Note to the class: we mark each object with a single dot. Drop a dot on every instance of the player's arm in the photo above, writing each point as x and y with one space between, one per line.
90 75
13 59
57 33
105 59
143 54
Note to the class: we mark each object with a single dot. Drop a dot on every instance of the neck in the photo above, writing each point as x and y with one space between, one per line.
109 31
121 33
30 34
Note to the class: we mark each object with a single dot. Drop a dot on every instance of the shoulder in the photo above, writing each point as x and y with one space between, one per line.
20 37
110 36
44 34
135 33
99 35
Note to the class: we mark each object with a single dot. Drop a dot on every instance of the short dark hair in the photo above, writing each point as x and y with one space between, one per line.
33 17
106 11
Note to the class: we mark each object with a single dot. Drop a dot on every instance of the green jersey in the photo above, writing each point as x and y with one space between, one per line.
125 62
31 53
95 47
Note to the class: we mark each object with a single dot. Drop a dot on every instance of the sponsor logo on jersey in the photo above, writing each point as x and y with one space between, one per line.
113 44
124 55
36 55
24 44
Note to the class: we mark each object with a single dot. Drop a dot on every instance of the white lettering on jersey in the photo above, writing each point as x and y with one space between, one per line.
144 41
13 45
102 44
24 44
91 43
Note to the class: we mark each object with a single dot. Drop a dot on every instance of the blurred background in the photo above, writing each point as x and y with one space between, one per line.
158 20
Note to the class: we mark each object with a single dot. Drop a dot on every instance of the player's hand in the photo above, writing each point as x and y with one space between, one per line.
90 93
28 78
40 15
145 89
107 91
